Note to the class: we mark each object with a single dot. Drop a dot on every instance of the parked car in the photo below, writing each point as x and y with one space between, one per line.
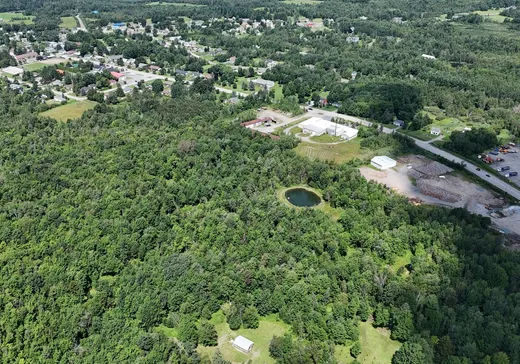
511 174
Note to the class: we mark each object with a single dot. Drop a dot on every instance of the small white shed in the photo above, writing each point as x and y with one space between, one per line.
243 344
383 162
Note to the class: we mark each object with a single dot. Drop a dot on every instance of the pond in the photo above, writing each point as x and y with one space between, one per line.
302 198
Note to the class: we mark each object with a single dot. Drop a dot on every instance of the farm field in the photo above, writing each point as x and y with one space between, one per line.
68 22
8 18
70 111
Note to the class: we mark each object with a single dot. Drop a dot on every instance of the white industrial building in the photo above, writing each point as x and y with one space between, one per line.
318 126
243 344
383 162
15 71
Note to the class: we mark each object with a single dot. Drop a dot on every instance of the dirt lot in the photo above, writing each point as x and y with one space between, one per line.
53 61
451 190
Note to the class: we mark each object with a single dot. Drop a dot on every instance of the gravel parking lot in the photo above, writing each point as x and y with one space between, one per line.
511 160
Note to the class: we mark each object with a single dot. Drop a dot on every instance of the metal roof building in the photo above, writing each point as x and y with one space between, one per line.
383 162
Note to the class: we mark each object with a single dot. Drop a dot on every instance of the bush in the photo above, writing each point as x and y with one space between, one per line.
355 350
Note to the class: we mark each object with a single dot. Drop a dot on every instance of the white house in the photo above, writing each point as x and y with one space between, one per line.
243 344
383 162
264 83
435 131
318 126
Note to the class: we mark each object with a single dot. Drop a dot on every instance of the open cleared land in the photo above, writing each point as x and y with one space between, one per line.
377 347
70 111
338 153
33 66
326 138
269 327
68 22
14 18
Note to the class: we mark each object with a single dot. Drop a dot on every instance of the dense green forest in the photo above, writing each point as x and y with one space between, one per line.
161 210
156 212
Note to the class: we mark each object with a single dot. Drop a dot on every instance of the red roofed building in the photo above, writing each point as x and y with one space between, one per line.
23 58
117 75
257 122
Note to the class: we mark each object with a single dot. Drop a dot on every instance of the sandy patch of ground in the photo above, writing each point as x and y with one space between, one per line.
455 191
53 61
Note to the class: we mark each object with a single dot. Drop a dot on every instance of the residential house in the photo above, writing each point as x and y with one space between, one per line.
353 39
435 131
398 123
264 83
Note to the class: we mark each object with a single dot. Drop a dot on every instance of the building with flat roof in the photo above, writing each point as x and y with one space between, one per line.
383 162
15 71
317 126
243 344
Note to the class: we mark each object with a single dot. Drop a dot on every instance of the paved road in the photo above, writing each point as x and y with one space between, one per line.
493 180
81 24
470 167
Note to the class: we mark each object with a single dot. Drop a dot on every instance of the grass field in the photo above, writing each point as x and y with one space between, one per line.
8 18
326 138
377 347
419 134
70 111
269 327
301 2
68 22
338 153
33 66
295 130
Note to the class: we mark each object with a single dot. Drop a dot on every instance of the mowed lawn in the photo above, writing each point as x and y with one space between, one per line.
269 327
8 18
31 67
68 22
74 110
338 153
376 346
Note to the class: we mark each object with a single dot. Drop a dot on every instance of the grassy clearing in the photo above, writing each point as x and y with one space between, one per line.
34 66
10 18
269 327
419 134
301 2
70 111
295 130
337 153
377 347
68 22
326 138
